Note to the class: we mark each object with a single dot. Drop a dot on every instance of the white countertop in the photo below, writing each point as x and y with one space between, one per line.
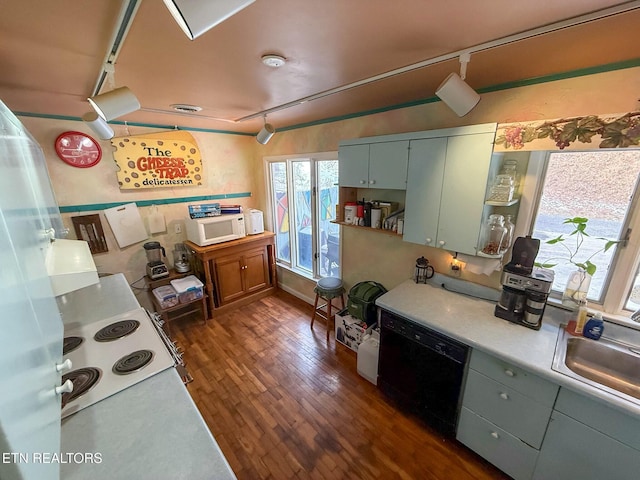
472 321
151 430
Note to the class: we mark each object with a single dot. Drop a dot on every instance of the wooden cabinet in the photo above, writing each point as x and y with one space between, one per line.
238 271
446 185
589 440
505 413
241 274
377 165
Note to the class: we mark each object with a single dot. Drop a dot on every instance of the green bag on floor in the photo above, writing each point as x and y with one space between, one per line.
362 301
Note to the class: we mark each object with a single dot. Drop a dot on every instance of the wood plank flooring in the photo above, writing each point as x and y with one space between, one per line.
284 404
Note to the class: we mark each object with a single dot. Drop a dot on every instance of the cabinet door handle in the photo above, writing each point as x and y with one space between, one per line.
509 373
441 243
371 182
495 435
429 240
504 396
362 182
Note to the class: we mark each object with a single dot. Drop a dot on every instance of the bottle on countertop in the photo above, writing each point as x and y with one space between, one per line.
581 319
594 327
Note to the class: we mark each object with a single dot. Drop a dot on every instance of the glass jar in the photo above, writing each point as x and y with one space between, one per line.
510 168
502 189
493 234
508 238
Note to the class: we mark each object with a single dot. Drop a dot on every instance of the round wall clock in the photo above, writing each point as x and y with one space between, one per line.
78 149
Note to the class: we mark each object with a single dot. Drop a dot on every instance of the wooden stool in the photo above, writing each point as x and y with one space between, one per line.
327 288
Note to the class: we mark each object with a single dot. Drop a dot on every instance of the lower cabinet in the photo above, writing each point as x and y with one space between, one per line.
238 271
589 441
505 413
531 428
241 274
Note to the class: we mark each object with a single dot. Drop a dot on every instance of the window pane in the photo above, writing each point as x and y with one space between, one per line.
595 185
327 178
301 171
280 213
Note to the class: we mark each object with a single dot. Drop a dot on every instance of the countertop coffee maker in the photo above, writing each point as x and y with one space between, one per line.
156 268
525 288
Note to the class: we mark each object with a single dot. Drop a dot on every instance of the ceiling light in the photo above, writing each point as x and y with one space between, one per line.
115 103
265 134
273 61
96 123
456 93
185 108
196 17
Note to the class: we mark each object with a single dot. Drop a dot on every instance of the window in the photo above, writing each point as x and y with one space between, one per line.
303 194
600 186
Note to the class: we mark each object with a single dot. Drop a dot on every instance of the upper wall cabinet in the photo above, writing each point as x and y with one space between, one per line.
447 181
374 165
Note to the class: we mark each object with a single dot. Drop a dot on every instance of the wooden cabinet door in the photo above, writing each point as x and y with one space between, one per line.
229 282
424 188
256 269
388 165
353 166
463 191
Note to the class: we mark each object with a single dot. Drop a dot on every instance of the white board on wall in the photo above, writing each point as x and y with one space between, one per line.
126 223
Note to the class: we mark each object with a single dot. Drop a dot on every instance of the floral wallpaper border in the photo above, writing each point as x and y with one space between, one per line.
572 133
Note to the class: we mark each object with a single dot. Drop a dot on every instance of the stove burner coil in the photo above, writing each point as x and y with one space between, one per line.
133 362
70 344
116 330
83 380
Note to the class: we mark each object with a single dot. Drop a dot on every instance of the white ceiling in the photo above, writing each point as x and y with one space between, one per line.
52 54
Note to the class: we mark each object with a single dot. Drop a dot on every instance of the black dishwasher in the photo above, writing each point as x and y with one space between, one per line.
422 370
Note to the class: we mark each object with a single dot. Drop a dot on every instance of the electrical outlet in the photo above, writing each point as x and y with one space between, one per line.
178 228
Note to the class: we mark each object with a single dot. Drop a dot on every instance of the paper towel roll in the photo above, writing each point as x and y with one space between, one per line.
375 217
480 265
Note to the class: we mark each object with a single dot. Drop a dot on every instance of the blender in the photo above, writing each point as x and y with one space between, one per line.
155 266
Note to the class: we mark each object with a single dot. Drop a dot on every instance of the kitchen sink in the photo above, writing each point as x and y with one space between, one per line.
611 364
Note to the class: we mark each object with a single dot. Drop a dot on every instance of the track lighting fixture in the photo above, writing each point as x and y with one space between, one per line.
196 17
456 93
265 134
115 103
96 123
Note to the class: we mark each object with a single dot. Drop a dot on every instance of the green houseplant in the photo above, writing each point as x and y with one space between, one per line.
579 281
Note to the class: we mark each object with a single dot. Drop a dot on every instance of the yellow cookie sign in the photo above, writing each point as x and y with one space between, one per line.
167 159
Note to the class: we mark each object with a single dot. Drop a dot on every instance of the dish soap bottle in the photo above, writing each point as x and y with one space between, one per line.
594 327
581 319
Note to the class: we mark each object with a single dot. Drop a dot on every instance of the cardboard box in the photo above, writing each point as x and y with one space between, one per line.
349 330
204 210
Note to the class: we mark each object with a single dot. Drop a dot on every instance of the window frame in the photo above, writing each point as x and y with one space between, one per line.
626 260
313 158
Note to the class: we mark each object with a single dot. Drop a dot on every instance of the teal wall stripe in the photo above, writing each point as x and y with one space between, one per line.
148 203
493 88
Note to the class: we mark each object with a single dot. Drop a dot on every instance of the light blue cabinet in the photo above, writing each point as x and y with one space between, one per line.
446 185
589 441
424 190
31 339
378 165
505 413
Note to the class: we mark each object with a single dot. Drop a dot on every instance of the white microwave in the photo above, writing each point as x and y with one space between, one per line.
211 230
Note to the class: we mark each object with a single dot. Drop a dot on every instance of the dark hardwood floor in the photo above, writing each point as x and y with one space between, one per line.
284 404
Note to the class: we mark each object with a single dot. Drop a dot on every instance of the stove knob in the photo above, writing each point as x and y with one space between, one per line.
66 387
66 365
